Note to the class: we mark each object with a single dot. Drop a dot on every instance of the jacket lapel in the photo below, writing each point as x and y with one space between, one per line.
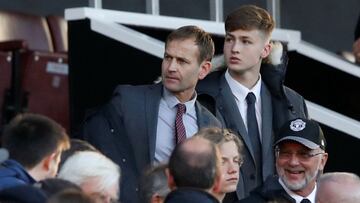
228 108
152 102
266 131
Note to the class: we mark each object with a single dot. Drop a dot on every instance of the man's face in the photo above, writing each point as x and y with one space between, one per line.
230 165
244 49
91 188
181 68
296 169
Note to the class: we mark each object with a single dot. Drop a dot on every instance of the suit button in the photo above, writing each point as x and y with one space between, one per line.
124 160
252 177
137 189
112 130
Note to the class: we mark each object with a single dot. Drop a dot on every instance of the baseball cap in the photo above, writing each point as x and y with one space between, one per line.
306 132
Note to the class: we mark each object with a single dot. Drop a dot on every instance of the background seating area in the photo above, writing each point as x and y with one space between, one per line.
33 66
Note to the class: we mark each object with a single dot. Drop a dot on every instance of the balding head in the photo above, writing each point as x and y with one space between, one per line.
195 163
336 187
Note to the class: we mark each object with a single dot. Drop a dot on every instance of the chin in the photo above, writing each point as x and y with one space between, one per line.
229 188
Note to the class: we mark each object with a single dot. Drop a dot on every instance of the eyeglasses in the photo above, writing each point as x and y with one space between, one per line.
301 155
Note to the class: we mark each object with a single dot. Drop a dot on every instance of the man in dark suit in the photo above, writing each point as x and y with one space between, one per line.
194 173
247 43
142 124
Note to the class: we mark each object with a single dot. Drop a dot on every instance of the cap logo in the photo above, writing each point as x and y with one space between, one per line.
297 125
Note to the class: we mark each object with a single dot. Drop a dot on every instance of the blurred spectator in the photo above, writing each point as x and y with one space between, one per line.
35 143
153 186
71 196
22 194
194 172
338 187
75 146
51 186
96 174
230 147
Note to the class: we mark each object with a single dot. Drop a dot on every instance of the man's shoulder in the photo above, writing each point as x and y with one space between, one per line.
11 174
133 89
270 190
210 82
292 93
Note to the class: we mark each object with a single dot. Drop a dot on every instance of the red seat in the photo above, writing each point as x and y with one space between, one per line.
58 30
39 80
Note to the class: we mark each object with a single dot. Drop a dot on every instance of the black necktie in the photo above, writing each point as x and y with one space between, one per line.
253 132
305 201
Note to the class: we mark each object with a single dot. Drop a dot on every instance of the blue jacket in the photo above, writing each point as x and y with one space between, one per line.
12 173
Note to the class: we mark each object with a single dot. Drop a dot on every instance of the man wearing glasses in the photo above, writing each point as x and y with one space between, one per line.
300 156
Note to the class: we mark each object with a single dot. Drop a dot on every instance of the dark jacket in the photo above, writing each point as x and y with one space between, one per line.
125 130
271 190
190 195
279 104
13 174
357 29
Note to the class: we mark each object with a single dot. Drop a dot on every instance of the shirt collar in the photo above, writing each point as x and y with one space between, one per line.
239 90
297 197
171 101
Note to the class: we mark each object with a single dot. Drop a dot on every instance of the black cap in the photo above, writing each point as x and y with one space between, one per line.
306 132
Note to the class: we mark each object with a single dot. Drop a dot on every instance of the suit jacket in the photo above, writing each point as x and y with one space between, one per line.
125 130
271 190
275 111
190 195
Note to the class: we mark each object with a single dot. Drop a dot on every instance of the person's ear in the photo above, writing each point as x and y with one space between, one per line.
156 198
50 160
205 68
170 179
266 50
324 158
47 161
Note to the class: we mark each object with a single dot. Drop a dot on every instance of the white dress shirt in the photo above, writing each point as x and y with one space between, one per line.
240 92
165 134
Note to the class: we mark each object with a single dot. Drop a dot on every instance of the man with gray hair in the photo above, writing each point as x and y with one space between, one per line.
300 157
337 187
96 174
153 186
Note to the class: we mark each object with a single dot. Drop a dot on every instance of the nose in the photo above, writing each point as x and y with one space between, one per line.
236 47
172 65
294 160
233 168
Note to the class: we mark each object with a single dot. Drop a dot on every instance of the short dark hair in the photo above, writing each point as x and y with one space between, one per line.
154 180
194 168
52 186
202 39
31 137
71 195
76 145
249 17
